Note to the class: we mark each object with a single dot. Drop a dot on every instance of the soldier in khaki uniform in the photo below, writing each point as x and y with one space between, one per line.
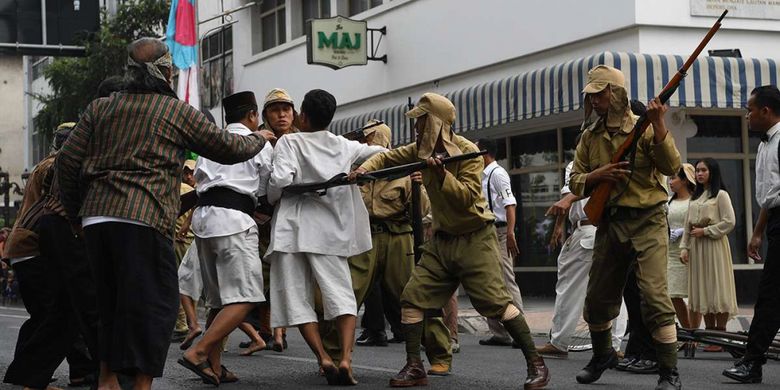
278 116
634 226
464 249
391 259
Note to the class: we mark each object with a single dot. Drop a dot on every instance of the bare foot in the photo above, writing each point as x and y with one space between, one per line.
345 374
255 346
330 371
191 336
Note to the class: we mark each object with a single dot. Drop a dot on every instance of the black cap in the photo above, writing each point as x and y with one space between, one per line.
239 101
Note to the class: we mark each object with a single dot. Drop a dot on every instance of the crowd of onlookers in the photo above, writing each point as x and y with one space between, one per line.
8 283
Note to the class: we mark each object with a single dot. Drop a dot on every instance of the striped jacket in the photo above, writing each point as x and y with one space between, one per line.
124 157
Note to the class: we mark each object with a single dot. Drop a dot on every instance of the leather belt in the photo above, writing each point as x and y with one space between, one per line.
500 224
584 222
379 227
227 198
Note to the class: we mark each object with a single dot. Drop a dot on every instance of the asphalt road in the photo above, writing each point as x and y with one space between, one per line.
476 367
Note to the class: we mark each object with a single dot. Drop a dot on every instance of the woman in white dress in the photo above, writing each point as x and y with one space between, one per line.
705 243
682 185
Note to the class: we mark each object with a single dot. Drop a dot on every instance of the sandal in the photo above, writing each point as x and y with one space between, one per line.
198 369
226 377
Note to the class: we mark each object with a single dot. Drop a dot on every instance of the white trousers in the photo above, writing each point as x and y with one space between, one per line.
574 264
190 279
508 271
294 277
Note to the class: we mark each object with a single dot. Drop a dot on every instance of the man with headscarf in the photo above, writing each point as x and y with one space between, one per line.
119 175
634 226
55 323
391 259
464 249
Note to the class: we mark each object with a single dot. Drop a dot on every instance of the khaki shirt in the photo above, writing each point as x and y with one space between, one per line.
185 218
457 204
391 202
653 161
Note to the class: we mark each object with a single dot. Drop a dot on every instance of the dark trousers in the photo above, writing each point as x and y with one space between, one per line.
138 295
69 253
48 335
766 317
379 306
640 342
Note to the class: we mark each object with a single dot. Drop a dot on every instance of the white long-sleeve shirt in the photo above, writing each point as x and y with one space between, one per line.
767 174
333 224
248 178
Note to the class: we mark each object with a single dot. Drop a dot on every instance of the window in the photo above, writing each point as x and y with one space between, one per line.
315 9
358 6
716 134
217 67
268 25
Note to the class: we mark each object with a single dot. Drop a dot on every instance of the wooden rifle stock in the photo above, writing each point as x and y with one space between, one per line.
600 195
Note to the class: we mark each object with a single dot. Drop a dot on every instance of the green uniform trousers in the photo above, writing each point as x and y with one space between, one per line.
390 261
627 235
471 259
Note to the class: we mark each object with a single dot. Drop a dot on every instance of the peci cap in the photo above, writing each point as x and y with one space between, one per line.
239 101
436 105
601 76
277 95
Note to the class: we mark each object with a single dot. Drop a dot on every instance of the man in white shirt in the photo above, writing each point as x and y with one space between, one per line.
226 236
313 234
764 117
497 189
574 264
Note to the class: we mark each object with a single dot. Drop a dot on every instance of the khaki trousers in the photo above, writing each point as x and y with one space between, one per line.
628 235
508 272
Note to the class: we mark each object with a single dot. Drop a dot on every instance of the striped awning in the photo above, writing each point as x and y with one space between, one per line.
712 82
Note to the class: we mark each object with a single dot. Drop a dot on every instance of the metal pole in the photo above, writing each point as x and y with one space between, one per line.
43 21
222 75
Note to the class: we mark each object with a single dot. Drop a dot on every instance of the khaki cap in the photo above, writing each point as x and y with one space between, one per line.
190 164
436 105
601 76
277 95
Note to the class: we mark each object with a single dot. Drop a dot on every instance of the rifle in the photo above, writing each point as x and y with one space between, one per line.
386 173
600 196
360 134
416 217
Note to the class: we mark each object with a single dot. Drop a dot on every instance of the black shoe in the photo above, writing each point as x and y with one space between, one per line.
669 380
625 362
245 344
643 367
374 339
597 365
363 336
745 372
495 341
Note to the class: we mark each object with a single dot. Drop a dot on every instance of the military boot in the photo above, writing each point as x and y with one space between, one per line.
669 379
597 365
538 375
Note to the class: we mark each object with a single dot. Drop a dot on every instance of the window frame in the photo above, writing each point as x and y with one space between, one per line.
215 60
281 7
